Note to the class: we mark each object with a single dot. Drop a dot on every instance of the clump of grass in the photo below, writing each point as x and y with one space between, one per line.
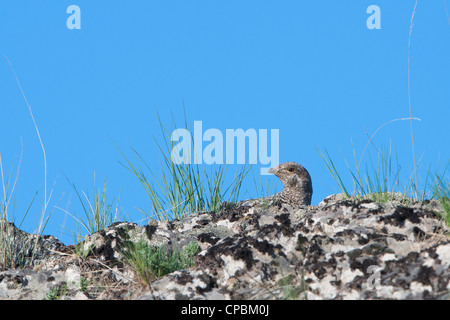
181 189
79 248
445 201
57 292
441 191
151 263
290 291
84 284
98 213
380 181
14 250
377 181
9 257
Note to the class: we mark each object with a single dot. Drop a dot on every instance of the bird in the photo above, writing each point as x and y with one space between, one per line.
297 190
297 183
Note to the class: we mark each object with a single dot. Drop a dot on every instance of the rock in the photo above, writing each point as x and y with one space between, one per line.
344 248
72 277
22 249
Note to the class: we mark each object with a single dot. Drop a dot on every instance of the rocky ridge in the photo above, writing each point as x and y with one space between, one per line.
340 249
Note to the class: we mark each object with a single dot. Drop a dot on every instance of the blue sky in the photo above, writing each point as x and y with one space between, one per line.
311 69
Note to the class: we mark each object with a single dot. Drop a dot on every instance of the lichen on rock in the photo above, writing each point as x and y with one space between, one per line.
341 249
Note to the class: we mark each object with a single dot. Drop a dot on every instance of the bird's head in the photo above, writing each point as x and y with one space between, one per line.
291 174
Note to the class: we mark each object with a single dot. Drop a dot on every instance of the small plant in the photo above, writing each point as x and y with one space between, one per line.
377 181
291 291
445 201
189 253
98 213
441 191
47 197
57 292
154 262
79 248
13 252
84 284
381 183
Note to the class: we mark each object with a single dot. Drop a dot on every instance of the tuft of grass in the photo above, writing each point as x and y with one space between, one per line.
377 180
333 171
380 182
445 201
441 191
291 291
98 213
181 189
56 293
79 248
151 263
13 252
84 284
9 247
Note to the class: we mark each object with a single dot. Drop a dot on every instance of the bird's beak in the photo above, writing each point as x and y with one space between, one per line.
273 170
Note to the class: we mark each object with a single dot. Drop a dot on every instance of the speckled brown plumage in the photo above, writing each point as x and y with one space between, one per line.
297 183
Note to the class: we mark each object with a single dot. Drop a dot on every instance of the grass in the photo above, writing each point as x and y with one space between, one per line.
84 284
43 219
381 179
290 291
14 253
98 213
441 191
56 293
79 248
179 190
377 179
445 201
411 25
151 263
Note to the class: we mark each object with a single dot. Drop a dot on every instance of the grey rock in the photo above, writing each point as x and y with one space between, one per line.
22 249
344 248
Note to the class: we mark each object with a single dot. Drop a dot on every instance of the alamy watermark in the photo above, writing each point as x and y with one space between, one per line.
374 20
191 149
74 20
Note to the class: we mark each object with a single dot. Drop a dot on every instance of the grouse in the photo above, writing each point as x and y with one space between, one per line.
297 183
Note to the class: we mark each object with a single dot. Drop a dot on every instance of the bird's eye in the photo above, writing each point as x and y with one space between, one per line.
291 169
